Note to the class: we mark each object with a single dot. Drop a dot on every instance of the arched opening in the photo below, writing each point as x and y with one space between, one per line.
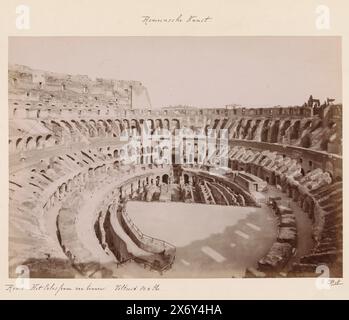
215 124
135 127
19 144
285 127
30 144
307 125
274 131
246 129
175 124
158 124
165 178
265 129
39 142
237 130
126 124
166 124
254 128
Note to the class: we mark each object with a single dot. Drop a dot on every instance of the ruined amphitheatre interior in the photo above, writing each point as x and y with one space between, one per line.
79 207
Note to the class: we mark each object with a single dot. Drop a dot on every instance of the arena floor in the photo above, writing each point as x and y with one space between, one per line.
211 241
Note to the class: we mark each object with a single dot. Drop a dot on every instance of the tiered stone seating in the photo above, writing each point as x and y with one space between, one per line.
228 194
72 246
328 241
218 195
315 192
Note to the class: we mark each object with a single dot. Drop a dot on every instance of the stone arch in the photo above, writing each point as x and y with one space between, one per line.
175 124
215 123
254 129
265 130
19 144
102 128
329 167
30 143
288 190
247 129
12 145
306 125
295 194
158 124
88 129
165 179
93 126
237 129
119 125
308 206
166 124
68 126
56 124
301 199
39 142
306 141
62 189
284 127
126 124
69 185
78 126
49 141
274 131
295 131
186 178
272 178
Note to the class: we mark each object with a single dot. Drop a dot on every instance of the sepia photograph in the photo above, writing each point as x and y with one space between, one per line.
175 157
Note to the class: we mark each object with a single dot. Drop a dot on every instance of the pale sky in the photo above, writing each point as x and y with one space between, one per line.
198 71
